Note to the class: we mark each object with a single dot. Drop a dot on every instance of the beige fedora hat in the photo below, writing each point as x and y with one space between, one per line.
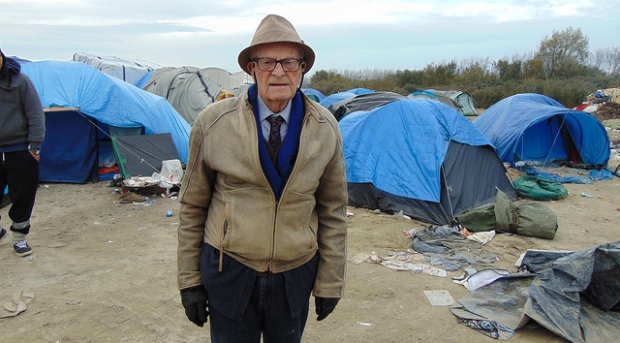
275 29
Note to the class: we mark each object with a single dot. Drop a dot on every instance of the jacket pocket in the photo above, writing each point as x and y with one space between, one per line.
297 225
248 224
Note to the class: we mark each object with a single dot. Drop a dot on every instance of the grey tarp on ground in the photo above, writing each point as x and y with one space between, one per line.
580 292
446 246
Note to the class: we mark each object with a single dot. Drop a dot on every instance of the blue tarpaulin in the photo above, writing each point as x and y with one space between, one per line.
401 146
421 157
93 97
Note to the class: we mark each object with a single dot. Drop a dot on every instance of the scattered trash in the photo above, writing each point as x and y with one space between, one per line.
479 279
402 262
439 297
168 213
363 324
483 237
349 213
586 195
19 303
140 181
360 258
131 197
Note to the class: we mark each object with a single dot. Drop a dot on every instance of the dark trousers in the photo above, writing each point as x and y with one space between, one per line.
267 313
20 172
243 304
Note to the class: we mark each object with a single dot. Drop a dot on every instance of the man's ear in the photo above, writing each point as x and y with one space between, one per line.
252 71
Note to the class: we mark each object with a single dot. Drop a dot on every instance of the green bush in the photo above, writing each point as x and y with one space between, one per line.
568 91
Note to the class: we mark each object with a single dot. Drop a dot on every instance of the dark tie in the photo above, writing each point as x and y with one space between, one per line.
274 134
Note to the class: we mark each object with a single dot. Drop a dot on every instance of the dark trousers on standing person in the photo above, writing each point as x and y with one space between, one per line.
244 304
20 172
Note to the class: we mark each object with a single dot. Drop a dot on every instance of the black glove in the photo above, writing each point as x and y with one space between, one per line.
195 301
324 306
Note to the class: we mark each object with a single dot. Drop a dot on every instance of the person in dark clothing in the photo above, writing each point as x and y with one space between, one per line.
22 130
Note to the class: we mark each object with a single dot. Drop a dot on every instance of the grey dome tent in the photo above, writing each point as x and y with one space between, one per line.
464 101
189 89
362 102
127 70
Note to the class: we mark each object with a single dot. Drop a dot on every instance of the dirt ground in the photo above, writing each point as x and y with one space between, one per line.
103 271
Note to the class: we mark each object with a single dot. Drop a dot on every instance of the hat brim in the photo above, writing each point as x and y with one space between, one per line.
244 56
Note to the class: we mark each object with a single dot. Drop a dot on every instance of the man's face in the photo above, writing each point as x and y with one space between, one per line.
276 87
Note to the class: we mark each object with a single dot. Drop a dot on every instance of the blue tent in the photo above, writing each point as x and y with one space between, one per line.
422 157
145 79
83 106
311 93
534 127
360 91
332 98
435 95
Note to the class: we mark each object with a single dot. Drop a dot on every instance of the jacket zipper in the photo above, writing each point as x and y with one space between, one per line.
275 222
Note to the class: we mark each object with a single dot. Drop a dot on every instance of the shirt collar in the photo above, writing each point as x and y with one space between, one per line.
265 112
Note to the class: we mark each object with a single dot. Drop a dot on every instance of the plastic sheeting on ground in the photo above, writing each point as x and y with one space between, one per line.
575 296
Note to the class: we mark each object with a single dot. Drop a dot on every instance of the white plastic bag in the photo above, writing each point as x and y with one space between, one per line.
171 171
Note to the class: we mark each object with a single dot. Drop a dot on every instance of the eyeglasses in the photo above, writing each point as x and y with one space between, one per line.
269 64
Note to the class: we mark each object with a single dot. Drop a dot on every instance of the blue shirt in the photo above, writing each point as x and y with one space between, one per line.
265 112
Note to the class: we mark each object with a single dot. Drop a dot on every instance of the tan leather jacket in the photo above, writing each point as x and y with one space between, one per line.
227 202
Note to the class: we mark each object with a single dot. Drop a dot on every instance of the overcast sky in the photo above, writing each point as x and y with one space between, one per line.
345 34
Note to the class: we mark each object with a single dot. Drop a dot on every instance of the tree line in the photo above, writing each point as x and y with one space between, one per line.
562 68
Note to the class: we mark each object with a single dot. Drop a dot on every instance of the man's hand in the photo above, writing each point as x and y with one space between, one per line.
35 155
195 301
324 306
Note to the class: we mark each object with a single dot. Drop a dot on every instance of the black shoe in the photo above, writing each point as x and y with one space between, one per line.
3 234
22 248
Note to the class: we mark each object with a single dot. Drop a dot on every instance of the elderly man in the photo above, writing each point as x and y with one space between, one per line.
263 201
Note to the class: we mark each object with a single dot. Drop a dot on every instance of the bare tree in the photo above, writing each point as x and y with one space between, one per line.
564 52
613 60
607 60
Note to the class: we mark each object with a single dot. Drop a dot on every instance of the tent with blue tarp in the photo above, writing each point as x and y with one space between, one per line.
421 157
83 105
332 98
360 91
313 94
534 127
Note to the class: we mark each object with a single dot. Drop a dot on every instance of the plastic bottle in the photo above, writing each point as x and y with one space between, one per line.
586 195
